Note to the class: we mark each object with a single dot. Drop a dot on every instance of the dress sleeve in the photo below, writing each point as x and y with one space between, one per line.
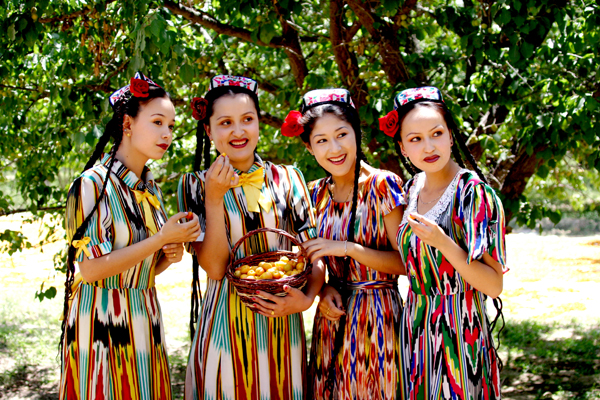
389 192
301 212
98 235
483 224
190 197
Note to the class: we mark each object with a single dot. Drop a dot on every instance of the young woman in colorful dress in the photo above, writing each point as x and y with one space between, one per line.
452 242
238 352
112 339
355 350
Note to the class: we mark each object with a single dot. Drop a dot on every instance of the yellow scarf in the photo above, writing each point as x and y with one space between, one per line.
252 184
148 199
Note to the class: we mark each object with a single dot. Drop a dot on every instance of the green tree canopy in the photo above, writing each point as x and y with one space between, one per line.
521 76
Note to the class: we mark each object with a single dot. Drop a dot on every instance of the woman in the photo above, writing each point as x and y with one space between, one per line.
239 352
452 242
354 352
112 339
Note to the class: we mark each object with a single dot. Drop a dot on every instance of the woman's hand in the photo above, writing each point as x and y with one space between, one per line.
277 306
220 177
173 252
427 230
331 306
320 247
175 232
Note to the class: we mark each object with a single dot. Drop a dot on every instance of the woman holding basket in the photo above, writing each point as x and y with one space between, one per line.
239 352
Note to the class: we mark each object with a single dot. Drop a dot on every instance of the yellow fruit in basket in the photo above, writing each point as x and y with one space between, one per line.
237 273
293 263
284 258
288 267
300 266
278 274
260 264
295 272
243 276
267 275
244 269
251 277
251 272
259 271
267 265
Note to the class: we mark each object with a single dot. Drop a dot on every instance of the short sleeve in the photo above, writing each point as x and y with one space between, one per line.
389 192
301 212
190 197
483 223
82 196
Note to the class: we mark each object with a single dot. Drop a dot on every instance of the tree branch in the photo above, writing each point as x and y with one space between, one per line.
105 86
21 210
270 120
73 15
386 37
293 50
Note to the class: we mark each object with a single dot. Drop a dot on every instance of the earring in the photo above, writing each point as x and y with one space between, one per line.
127 133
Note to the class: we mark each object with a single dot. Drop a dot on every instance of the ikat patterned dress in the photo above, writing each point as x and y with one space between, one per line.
446 341
114 346
237 354
369 360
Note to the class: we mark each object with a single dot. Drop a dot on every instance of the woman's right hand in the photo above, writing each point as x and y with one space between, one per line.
220 177
175 232
330 303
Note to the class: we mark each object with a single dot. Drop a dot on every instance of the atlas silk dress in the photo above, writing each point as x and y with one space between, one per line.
369 367
236 353
114 346
447 344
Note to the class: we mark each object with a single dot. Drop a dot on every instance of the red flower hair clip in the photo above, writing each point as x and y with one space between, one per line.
389 123
139 87
198 105
291 125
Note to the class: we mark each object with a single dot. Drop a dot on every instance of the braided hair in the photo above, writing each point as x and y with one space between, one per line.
459 149
203 153
308 120
114 130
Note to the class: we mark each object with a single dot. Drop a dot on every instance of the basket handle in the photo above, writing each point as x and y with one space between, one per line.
266 229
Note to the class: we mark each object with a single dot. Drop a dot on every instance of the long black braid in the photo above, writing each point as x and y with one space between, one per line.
459 148
308 120
114 130
203 151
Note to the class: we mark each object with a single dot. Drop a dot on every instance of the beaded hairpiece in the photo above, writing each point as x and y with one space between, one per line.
291 126
199 104
138 87
389 123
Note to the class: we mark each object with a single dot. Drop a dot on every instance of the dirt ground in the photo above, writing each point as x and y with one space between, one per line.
551 279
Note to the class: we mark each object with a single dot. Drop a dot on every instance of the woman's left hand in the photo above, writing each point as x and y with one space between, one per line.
173 252
427 230
280 306
320 247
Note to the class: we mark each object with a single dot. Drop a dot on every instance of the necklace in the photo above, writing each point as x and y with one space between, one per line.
429 202
331 189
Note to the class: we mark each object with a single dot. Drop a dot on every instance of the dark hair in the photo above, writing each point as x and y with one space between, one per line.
114 130
459 147
348 114
203 151
202 139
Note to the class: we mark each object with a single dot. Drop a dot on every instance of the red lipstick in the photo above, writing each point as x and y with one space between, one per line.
431 159
163 146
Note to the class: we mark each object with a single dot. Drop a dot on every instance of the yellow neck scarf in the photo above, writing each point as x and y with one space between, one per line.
148 199
252 184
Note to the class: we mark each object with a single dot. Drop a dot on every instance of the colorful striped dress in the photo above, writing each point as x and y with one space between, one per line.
236 353
369 361
446 341
114 346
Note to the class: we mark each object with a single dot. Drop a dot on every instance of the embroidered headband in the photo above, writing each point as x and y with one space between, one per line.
138 87
291 126
199 104
389 123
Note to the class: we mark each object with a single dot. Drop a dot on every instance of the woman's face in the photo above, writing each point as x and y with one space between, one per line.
426 139
151 131
333 143
234 129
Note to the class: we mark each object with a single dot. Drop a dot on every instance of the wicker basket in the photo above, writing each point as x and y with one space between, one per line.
247 288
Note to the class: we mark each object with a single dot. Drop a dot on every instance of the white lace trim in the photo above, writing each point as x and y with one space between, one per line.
438 209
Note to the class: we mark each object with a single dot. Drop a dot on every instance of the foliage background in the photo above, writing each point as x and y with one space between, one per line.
521 76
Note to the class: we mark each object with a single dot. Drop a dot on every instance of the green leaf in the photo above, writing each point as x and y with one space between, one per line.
554 216
527 50
543 171
11 32
186 72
